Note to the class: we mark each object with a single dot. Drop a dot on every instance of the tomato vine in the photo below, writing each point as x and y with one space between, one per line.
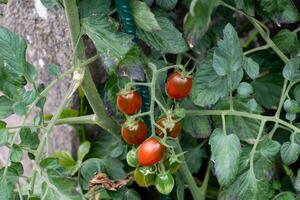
231 163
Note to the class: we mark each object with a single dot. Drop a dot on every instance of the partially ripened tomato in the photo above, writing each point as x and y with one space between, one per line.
151 151
164 183
144 176
178 86
134 132
129 102
172 127
131 158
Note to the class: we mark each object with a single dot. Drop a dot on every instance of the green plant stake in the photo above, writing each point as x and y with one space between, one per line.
128 25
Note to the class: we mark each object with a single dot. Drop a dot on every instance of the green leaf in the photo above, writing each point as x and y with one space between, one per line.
250 67
195 153
12 51
286 40
291 106
20 108
53 70
52 3
254 183
111 44
66 160
246 5
269 86
268 148
297 181
226 150
167 40
143 16
245 89
29 139
29 97
5 107
291 69
246 129
297 93
247 186
91 7
16 153
7 183
228 55
289 152
2 124
83 150
3 1
197 126
285 196
280 11
53 183
4 136
166 4
197 20
209 87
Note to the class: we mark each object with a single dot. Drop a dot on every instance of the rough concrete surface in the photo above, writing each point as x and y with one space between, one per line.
48 42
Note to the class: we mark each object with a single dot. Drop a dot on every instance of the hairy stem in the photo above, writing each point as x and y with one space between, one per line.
189 179
88 86
39 154
252 153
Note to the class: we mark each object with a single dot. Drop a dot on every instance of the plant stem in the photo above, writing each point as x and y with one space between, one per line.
204 185
243 114
252 153
189 179
67 98
87 119
88 86
256 49
250 38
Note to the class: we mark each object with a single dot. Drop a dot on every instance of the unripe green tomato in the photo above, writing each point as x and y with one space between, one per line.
173 168
164 183
131 158
144 176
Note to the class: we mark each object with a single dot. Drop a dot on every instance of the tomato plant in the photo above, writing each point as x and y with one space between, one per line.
201 100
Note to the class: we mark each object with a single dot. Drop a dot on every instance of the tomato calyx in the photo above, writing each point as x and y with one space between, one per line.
131 123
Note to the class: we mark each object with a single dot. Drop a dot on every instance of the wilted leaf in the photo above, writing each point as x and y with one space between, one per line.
102 180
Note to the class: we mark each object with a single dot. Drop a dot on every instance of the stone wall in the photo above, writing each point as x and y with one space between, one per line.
48 42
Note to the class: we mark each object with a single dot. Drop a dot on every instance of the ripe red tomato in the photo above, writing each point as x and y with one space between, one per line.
129 103
150 152
172 127
134 133
178 86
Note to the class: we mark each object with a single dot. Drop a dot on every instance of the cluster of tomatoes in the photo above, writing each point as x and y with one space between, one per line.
154 162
